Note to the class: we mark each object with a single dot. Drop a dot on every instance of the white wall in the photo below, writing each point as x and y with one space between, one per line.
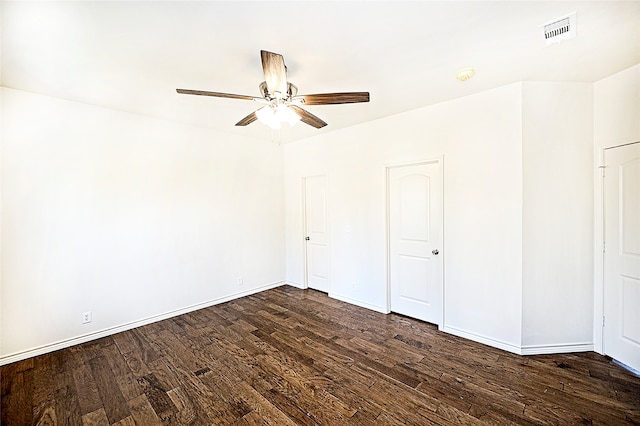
480 139
616 122
1 133
557 215
128 217
617 109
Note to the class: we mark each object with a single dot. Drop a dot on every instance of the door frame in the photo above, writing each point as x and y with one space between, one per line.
598 247
387 169
305 270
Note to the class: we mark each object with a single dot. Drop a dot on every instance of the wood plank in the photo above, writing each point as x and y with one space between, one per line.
403 402
44 411
289 407
212 403
86 387
189 411
115 406
156 394
142 413
67 408
97 418
127 421
17 395
262 407
125 377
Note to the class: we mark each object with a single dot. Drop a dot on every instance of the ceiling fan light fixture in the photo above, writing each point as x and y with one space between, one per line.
267 116
285 114
274 116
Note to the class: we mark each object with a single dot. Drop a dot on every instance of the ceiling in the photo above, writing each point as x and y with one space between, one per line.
131 56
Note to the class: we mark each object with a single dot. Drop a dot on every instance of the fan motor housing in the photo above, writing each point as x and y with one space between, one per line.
292 90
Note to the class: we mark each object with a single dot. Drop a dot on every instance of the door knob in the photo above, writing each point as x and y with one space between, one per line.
306 238
435 252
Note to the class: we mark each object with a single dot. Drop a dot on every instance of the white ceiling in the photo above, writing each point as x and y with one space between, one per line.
131 56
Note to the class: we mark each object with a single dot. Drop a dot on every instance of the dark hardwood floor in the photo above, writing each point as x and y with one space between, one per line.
288 356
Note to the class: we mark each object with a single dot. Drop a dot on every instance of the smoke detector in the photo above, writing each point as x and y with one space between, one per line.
465 74
560 29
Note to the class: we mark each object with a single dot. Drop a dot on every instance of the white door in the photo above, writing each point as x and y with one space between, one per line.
622 254
317 248
415 241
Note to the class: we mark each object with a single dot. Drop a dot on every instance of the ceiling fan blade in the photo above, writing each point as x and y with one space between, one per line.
275 72
307 118
248 119
334 98
216 94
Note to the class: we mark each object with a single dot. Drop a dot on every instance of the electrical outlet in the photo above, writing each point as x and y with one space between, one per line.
240 281
86 317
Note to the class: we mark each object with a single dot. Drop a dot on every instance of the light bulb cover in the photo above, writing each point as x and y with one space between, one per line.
284 113
274 116
267 116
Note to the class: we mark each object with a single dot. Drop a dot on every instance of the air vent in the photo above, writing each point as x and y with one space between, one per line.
560 29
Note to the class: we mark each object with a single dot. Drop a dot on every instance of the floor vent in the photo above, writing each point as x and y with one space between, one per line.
560 29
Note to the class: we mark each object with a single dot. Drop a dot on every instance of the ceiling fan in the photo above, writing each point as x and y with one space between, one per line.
281 99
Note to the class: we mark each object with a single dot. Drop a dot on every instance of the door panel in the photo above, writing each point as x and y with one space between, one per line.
631 310
415 240
317 248
622 254
413 191
413 273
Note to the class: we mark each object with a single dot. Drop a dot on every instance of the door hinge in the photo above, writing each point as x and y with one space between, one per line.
603 169
603 321
604 246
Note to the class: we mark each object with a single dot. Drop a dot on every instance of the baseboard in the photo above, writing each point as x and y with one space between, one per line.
19 356
483 339
295 284
626 367
556 349
359 303
521 350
